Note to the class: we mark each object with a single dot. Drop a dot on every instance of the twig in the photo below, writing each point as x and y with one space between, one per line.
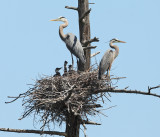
72 8
118 78
85 14
14 99
33 131
70 93
150 88
94 54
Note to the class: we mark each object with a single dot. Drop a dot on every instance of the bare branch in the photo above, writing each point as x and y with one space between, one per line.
91 3
125 91
72 8
94 54
85 43
90 122
33 131
90 47
118 78
85 14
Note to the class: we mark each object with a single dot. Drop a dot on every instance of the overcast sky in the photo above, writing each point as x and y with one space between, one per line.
30 46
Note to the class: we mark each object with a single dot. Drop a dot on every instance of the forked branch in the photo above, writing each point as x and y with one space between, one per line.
85 43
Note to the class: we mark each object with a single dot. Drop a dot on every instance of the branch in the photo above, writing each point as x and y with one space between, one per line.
34 131
118 78
126 91
72 8
85 43
94 54
90 122
85 14
90 47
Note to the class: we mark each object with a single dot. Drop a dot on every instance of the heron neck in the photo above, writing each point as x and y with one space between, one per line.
116 49
62 26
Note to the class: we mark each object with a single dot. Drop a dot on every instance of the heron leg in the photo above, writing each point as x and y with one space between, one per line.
108 77
77 62
72 61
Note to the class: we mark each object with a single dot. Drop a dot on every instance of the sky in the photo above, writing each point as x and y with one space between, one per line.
30 47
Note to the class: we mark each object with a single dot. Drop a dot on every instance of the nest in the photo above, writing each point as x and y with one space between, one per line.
53 97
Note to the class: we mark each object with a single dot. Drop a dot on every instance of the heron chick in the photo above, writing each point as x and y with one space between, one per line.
108 58
57 69
57 72
65 66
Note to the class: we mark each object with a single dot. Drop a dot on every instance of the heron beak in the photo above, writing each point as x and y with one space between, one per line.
121 41
54 20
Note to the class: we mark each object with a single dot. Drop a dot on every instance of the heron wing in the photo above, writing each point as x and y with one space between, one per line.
106 61
75 47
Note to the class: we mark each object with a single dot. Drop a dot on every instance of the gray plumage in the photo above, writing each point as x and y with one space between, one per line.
105 63
108 58
74 46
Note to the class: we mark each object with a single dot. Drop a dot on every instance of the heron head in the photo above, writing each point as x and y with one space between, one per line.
114 40
65 62
57 69
63 19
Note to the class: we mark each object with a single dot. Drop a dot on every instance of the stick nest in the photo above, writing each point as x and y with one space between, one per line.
52 98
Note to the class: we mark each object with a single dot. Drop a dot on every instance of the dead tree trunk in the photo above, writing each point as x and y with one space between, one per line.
84 30
72 125
73 122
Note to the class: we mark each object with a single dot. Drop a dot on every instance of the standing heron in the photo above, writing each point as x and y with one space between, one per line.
72 43
108 58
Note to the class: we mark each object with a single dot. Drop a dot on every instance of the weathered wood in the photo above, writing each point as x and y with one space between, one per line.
84 30
72 121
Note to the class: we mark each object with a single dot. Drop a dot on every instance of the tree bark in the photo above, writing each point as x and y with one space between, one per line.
72 121
84 30
72 125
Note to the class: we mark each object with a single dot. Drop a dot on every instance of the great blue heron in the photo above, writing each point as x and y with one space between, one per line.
72 43
108 58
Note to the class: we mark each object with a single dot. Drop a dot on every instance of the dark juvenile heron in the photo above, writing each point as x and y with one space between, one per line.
70 68
108 58
57 72
65 66
72 43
